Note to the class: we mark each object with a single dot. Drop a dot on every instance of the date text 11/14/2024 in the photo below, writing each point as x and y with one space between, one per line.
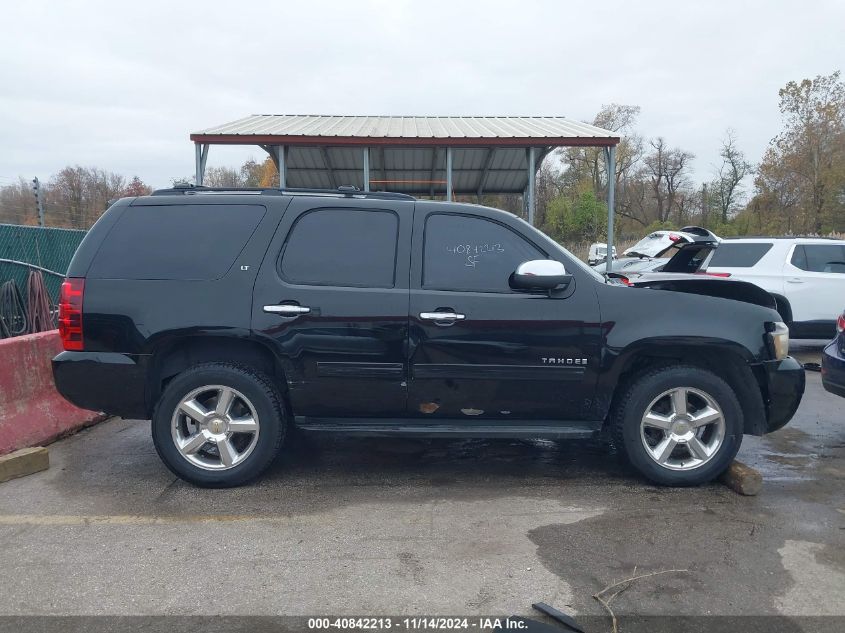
417 623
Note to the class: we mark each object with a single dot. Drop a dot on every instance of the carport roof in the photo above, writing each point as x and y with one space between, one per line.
406 153
406 130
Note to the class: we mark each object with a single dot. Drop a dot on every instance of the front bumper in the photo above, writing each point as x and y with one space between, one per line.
103 381
833 369
784 383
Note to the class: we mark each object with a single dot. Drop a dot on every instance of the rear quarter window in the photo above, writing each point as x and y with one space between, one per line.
176 242
741 255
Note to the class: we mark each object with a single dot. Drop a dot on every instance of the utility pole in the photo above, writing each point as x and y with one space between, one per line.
36 189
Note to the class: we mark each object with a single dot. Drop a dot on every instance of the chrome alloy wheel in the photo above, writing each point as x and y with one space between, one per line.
215 427
682 429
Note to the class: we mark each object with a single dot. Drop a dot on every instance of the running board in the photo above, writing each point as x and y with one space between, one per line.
541 429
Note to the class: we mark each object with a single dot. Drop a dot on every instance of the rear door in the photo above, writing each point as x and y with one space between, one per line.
759 262
814 277
332 299
481 350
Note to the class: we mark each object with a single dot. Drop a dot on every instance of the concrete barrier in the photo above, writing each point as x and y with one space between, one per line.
32 412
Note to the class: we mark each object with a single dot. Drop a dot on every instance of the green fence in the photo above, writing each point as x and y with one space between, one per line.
46 247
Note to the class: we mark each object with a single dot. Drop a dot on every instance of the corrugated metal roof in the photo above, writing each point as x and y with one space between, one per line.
416 170
489 154
409 127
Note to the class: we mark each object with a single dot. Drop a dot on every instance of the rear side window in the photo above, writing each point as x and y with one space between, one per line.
739 255
819 258
176 242
471 253
342 247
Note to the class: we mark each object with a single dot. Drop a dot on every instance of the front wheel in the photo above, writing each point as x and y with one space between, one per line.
218 425
678 426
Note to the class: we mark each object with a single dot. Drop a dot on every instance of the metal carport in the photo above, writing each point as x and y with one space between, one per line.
431 156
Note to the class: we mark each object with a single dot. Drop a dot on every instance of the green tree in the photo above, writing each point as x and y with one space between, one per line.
802 175
579 220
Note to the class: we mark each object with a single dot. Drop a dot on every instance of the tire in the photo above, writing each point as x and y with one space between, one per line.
223 444
703 449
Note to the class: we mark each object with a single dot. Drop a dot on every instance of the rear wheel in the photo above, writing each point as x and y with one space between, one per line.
218 425
679 426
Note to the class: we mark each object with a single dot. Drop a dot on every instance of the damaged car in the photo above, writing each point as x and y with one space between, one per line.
656 249
372 313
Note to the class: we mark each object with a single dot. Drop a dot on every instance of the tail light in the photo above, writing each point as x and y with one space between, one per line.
840 323
675 238
70 313
704 272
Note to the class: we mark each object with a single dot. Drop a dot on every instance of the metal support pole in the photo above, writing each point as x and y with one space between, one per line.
449 174
204 159
366 169
201 157
282 152
610 155
198 169
532 161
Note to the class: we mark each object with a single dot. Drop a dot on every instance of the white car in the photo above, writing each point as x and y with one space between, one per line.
655 243
806 276
598 253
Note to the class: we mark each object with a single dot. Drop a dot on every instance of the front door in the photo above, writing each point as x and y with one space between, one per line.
481 350
332 299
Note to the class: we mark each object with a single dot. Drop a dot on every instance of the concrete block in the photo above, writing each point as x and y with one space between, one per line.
742 479
32 413
24 462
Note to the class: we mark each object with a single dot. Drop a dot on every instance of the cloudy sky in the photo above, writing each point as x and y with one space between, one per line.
121 85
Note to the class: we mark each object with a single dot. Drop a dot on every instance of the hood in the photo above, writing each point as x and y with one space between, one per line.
653 244
632 265
708 286
659 242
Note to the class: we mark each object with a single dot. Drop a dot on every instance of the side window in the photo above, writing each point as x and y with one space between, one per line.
190 242
342 247
821 258
471 253
799 257
739 255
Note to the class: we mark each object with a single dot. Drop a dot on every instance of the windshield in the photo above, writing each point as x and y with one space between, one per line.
649 244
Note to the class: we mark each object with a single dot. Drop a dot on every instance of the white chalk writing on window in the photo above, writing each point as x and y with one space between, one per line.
473 252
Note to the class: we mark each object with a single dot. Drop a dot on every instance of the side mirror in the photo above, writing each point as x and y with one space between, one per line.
539 274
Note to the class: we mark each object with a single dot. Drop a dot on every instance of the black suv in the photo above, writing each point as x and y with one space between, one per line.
232 318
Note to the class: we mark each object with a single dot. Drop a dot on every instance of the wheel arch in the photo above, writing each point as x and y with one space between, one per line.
178 354
783 307
726 359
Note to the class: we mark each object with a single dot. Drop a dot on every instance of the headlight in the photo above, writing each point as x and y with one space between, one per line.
779 336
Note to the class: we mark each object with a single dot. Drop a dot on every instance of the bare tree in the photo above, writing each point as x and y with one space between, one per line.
727 187
224 177
17 204
589 163
667 170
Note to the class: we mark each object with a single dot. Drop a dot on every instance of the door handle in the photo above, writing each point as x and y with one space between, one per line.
795 280
287 309
442 316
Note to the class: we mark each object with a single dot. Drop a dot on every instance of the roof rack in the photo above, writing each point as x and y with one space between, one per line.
346 191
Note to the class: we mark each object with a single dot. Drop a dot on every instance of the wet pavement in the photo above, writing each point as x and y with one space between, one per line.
364 526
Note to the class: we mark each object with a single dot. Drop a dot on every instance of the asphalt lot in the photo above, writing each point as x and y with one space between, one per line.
363 526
